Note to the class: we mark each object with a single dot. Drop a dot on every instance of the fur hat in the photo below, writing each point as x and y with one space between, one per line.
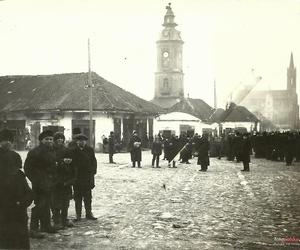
44 134
58 135
80 137
6 135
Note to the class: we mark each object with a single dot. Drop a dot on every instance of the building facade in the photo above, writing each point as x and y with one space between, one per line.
31 104
279 106
169 75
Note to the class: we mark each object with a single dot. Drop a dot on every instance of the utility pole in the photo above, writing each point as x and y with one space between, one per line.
215 94
90 86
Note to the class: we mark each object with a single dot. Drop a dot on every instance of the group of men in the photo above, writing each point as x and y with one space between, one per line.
57 174
184 146
276 146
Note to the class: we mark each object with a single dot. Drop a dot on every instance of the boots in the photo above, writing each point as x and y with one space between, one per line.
34 225
88 210
78 208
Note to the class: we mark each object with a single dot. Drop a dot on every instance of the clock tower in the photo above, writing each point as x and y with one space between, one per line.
169 76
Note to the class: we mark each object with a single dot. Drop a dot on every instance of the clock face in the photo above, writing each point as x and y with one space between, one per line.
166 54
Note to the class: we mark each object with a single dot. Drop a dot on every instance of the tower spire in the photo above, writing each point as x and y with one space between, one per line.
291 61
291 75
169 17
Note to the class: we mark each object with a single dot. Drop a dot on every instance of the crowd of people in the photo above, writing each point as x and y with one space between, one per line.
57 173
60 172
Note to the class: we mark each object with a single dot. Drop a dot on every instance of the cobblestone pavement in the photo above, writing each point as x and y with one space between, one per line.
223 208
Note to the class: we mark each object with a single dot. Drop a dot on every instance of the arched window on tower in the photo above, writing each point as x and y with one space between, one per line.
165 89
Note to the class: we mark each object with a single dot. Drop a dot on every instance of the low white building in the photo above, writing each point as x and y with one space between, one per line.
179 122
188 116
30 104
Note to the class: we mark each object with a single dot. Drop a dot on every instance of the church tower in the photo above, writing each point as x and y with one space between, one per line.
169 75
293 112
291 75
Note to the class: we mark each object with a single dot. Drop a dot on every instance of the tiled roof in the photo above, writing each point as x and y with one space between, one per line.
195 107
237 114
67 92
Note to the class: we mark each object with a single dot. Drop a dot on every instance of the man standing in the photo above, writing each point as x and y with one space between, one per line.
203 149
245 151
15 197
135 149
65 178
85 165
156 151
111 146
39 167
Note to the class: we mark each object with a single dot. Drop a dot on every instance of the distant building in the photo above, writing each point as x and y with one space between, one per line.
188 116
237 118
169 75
279 106
184 115
60 102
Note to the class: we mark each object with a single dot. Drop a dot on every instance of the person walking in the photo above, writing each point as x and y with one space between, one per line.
15 196
135 148
85 166
156 151
39 166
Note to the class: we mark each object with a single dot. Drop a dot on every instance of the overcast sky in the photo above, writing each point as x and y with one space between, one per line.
224 40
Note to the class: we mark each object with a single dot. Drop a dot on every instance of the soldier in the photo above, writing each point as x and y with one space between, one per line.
39 167
174 148
111 147
135 149
156 151
203 148
65 179
15 196
85 165
245 151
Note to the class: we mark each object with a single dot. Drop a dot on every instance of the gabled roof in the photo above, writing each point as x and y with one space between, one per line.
67 92
237 114
195 107
216 115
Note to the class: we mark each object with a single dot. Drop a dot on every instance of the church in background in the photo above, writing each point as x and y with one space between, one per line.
169 75
279 106
183 114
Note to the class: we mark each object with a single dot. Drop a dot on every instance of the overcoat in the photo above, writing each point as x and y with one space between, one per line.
135 150
203 148
15 197
85 165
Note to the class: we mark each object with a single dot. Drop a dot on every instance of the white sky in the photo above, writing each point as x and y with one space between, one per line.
224 40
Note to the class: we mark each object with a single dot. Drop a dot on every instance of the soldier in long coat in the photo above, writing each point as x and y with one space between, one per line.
85 165
245 151
15 197
65 179
156 150
135 149
39 167
203 149
174 148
